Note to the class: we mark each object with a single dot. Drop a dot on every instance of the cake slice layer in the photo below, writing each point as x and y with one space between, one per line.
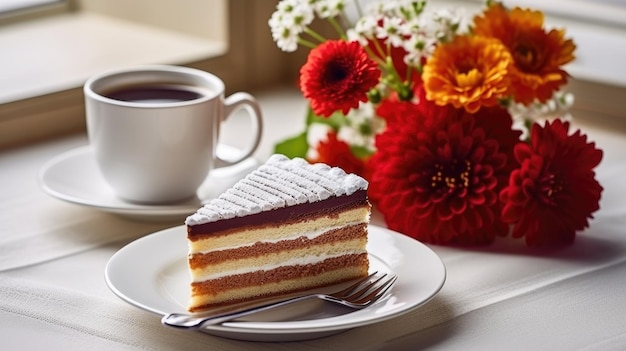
288 226
275 282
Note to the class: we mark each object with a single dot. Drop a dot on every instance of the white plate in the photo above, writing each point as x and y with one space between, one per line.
73 176
151 273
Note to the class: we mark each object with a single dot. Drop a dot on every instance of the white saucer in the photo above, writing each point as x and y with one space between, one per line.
161 285
73 176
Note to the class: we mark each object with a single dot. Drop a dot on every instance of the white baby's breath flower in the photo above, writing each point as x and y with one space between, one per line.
329 8
351 136
361 127
556 107
377 9
364 30
353 35
564 100
405 9
288 21
413 25
303 15
392 8
449 23
286 6
417 47
295 7
316 133
393 30
284 33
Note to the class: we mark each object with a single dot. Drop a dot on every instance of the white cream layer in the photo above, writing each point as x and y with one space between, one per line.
303 260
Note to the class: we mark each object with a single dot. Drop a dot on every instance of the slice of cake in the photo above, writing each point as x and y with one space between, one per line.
286 227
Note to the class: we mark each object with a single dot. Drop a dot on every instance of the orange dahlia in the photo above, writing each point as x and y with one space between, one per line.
469 72
538 55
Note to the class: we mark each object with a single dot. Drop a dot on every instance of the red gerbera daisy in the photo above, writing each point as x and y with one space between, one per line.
337 153
437 177
337 76
554 192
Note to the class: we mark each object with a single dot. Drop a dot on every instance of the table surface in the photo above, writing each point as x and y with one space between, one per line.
505 296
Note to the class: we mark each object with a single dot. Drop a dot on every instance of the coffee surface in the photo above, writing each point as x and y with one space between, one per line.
154 93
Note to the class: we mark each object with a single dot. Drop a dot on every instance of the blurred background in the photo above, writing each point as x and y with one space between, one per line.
48 48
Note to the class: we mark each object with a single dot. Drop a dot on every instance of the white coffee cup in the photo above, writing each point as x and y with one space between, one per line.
154 130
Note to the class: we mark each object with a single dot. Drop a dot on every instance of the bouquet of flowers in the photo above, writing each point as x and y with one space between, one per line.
460 125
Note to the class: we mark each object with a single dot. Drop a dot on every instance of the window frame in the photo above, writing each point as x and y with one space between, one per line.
35 11
250 46
253 62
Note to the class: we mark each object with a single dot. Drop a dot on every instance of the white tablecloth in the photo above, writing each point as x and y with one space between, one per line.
504 296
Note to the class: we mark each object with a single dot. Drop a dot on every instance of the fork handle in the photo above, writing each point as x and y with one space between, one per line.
195 321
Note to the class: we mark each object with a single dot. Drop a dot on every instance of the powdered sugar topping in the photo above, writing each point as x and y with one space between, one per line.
278 183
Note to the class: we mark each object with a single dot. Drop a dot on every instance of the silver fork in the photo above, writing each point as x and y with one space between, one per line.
361 294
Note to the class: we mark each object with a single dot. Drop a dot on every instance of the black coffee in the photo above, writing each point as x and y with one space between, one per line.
155 93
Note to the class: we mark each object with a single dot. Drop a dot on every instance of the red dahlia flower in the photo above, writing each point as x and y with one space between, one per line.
395 111
554 192
437 176
337 76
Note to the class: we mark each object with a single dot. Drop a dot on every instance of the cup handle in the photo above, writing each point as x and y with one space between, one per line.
245 101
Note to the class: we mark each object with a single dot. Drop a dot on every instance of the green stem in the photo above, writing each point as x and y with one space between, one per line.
396 82
304 42
409 70
314 34
390 66
374 57
379 49
392 69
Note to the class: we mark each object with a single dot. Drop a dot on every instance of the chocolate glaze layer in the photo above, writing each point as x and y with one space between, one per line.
276 216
